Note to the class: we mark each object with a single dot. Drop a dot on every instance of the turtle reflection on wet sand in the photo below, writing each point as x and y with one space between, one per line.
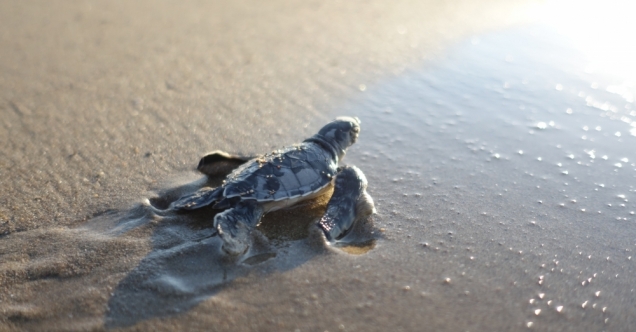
281 179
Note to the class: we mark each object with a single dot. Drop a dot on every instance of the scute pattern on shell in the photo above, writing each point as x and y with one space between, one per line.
295 171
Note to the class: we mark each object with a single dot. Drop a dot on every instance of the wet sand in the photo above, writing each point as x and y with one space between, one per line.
107 107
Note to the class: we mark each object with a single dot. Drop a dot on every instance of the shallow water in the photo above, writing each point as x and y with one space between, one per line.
510 170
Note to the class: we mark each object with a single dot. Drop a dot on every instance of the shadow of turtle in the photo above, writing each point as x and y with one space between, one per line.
186 264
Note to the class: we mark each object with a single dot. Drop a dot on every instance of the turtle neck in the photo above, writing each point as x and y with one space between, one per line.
327 145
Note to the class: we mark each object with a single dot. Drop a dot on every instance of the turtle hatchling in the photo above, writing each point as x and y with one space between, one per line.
282 178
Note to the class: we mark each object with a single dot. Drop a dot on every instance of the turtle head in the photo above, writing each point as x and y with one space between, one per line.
341 133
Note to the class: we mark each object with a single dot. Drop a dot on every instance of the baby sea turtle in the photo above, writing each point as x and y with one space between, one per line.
283 178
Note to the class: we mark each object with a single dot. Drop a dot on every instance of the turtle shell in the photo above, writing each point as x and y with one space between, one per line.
293 172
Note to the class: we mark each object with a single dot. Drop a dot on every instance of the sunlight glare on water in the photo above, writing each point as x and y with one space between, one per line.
602 30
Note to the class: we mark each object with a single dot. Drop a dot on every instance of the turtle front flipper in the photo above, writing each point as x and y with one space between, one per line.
235 225
349 203
199 199
220 163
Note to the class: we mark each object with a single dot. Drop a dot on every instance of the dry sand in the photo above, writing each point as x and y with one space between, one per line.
106 104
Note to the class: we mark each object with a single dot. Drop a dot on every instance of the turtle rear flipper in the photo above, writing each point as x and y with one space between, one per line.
350 202
199 199
235 225
220 163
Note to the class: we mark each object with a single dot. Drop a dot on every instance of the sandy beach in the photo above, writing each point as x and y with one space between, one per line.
493 213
